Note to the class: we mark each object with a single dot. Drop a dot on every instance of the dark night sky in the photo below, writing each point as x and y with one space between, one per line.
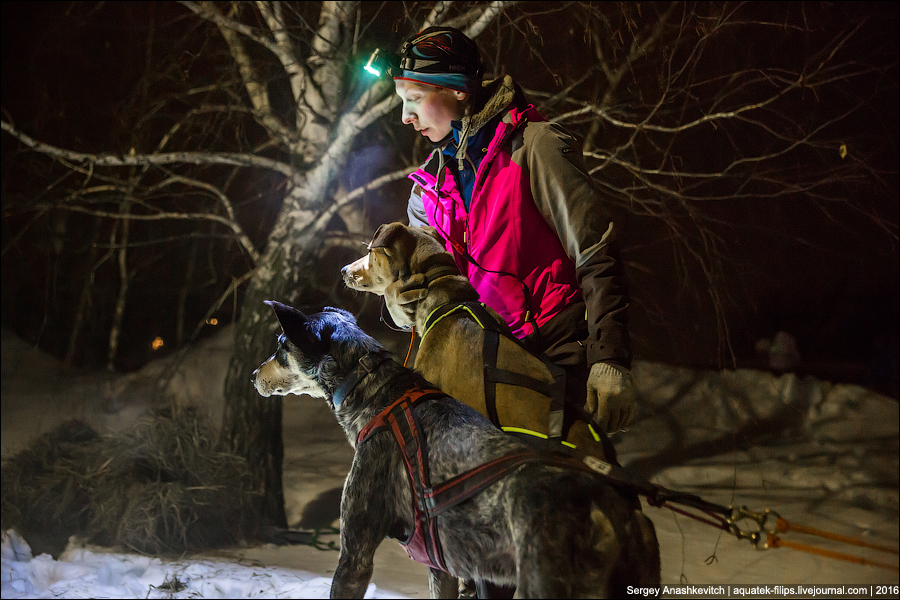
837 291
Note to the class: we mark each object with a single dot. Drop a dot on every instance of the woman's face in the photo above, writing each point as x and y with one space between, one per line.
430 109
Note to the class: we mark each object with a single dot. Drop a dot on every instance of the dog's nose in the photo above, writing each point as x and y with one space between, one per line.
253 377
344 270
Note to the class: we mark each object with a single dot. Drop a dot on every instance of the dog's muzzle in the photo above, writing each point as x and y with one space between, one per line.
254 379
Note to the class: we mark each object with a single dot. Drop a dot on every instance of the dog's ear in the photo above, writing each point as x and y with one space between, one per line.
384 234
433 233
397 242
293 322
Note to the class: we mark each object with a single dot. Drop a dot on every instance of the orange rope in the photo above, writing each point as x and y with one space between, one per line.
412 339
773 541
784 526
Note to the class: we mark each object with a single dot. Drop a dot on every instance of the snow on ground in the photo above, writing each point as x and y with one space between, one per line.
820 454
81 573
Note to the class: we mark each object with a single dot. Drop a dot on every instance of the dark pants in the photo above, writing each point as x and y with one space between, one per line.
559 342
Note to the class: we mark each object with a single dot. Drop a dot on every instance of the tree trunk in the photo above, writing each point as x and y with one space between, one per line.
287 271
252 424
85 298
183 296
124 226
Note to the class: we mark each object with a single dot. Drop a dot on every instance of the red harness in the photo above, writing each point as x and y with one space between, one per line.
424 545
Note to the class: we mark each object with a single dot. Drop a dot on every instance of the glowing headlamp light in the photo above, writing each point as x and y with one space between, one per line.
381 61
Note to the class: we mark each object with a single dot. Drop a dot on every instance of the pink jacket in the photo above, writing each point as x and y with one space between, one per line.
534 237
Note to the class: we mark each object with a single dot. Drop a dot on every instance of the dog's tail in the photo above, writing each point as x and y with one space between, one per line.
639 564
605 540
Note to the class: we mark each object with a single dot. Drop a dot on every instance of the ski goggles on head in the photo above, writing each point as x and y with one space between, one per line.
438 56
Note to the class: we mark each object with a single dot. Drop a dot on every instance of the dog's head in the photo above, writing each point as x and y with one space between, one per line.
314 352
395 253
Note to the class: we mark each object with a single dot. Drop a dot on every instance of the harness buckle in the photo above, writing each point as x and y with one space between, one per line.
766 522
369 362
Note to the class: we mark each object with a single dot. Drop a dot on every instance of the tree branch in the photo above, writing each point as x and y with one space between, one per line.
196 158
256 90
290 62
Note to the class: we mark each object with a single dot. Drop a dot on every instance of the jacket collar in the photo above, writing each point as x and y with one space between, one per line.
500 95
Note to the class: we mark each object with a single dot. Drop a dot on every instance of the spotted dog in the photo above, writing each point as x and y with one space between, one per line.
464 497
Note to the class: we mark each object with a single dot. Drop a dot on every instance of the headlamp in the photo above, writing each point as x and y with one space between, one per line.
382 61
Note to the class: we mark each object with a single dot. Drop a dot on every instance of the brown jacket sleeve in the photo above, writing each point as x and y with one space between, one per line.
568 199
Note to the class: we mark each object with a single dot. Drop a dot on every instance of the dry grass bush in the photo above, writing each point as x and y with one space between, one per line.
157 488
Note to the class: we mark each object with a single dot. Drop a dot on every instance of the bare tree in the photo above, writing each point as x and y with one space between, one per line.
279 56
690 113
711 126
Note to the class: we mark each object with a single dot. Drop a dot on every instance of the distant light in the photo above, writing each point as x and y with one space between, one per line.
212 321
157 343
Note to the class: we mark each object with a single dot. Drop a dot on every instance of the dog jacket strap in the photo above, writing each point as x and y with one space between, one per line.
448 309
466 485
378 421
490 325
424 545
555 425
489 356
493 376
476 310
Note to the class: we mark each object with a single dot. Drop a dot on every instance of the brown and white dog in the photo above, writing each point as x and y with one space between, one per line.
450 352
549 526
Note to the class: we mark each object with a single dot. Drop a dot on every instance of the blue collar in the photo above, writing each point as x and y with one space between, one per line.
367 364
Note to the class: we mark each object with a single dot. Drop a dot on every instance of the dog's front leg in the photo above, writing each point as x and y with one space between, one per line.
352 575
442 584
357 556
366 517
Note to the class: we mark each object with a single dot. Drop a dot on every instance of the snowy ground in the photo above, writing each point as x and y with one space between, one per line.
82 573
822 455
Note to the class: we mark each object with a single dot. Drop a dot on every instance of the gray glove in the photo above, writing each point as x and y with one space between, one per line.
610 396
402 297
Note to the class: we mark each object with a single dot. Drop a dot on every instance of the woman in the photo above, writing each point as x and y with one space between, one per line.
510 194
